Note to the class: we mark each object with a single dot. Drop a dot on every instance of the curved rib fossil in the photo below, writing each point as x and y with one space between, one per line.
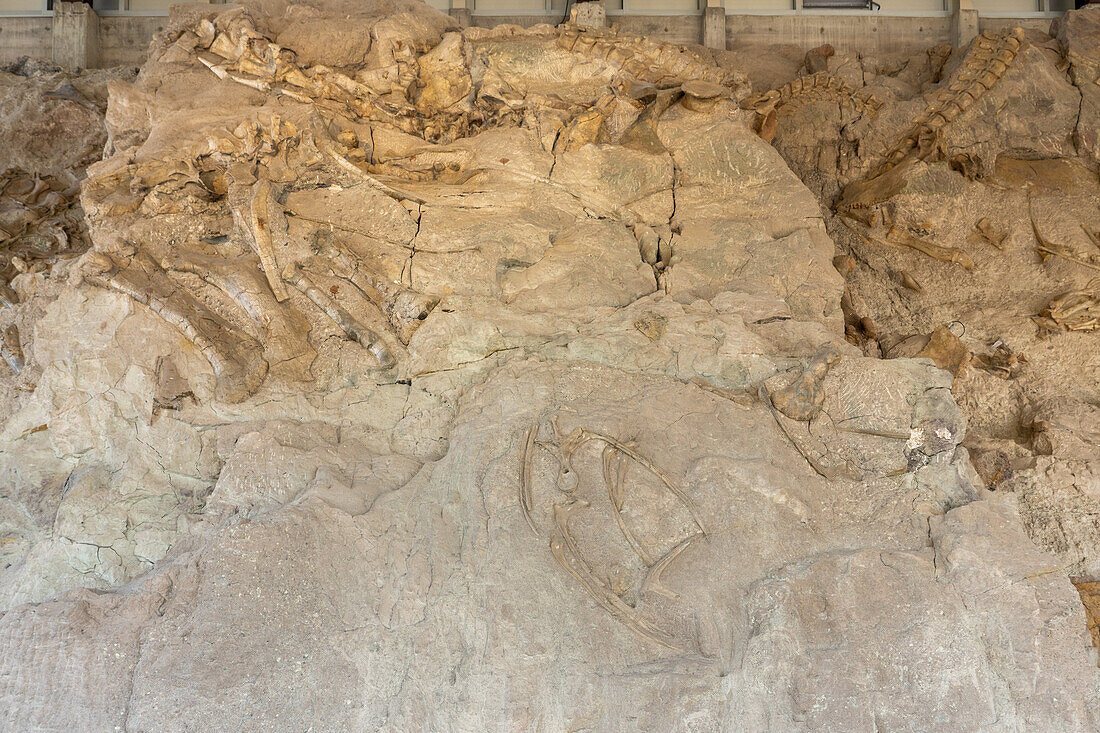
236 358
564 447
283 330
525 496
564 547
564 550
652 582
614 476
583 435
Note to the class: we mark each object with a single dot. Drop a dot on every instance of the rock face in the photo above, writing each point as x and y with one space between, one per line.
489 380
51 122
1079 34
961 190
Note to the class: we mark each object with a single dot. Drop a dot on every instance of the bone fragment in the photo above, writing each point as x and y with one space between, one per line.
11 350
354 330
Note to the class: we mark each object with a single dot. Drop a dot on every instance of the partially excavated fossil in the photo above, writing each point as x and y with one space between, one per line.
420 377
427 90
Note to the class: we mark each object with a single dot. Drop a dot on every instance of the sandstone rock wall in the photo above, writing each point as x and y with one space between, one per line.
489 380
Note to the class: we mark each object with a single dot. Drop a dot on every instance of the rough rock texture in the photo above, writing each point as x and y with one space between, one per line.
51 122
1079 34
962 193
448 382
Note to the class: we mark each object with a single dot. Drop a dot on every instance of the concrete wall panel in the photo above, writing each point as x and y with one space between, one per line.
123 40
509 6
20 6
25 37
685 29
1006 6
1030 24
661 6
846 32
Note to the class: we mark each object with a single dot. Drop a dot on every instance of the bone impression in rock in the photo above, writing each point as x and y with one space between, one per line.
428 378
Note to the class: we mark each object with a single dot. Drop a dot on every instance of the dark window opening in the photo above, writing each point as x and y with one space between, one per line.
847 4
97 5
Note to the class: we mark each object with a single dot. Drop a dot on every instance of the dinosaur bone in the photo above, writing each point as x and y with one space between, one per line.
354 330
11 350
803 398
236 358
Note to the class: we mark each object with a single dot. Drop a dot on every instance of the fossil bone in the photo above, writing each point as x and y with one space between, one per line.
283 330
819 468
1092 234
581 436
614 475
946 104
260 222
701 96
652 582
1047 248
900 236
909 282
525 497
406 309
1076 310
8 297
11 349
984 231
564 550
354 330
236 358
803 398
329 149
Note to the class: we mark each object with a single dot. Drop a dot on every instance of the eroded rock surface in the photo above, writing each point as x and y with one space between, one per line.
961 188
427 378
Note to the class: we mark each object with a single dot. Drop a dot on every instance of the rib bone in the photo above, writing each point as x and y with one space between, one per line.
236 358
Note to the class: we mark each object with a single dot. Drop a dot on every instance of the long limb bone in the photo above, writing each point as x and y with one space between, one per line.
261 212
329 149
900 238
356 331
404 308
897 235
283 329
236 358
